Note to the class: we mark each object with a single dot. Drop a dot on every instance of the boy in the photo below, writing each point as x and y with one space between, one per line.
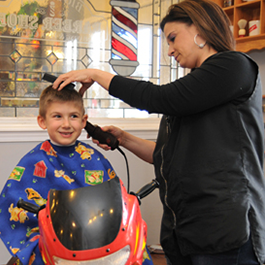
62 162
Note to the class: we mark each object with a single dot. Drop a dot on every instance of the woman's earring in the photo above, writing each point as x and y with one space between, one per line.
199 45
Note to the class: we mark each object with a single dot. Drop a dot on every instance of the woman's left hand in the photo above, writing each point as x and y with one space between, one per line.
82 76
86 77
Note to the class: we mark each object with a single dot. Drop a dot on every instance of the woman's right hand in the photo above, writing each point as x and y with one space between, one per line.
115 131
142 148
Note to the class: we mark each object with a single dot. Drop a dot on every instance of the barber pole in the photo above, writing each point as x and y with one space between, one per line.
124 36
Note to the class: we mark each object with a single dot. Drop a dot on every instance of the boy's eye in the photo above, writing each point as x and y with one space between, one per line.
57 116
74 116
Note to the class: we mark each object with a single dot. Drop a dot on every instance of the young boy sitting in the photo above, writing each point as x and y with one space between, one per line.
62 162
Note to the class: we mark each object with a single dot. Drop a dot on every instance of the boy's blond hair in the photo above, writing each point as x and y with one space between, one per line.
50 95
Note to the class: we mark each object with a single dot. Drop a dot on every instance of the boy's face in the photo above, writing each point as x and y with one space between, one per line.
64 122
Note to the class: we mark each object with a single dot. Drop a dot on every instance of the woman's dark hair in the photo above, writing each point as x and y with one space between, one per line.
208 17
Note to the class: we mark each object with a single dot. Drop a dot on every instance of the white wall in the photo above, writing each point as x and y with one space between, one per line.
259 57
140 173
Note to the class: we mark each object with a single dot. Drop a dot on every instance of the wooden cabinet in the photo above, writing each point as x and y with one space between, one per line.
249 10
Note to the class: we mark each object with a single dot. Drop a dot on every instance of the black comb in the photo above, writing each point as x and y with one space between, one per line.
52 78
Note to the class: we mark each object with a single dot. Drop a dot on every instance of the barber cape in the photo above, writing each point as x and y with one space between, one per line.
46 167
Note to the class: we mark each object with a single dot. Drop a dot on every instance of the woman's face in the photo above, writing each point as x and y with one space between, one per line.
180 38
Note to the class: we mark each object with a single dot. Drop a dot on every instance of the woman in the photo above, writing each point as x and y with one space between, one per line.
208 156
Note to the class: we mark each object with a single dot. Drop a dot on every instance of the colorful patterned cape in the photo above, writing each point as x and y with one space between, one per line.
46 167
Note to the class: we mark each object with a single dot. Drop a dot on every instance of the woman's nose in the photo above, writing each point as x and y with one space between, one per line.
170 51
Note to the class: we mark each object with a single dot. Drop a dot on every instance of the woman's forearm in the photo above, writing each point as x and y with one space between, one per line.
142 148
102 78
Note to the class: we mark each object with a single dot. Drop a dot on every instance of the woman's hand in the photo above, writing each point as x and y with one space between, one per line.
142 148
86 77
83 76
116 132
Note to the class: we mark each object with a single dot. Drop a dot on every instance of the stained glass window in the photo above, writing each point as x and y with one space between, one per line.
57 36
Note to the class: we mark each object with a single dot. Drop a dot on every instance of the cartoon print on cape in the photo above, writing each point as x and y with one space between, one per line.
44 167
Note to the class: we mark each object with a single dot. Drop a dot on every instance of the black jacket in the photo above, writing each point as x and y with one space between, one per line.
209 154
209 167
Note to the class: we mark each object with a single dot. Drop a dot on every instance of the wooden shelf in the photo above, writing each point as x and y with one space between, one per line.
249 10
249 43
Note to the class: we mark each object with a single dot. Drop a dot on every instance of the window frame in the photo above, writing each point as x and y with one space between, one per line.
27 129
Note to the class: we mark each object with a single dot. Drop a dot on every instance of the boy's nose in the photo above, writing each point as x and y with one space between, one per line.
66 123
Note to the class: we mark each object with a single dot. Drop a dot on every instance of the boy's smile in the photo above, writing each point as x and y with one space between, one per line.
64 122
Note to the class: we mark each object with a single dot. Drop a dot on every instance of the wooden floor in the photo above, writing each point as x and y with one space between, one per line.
159 259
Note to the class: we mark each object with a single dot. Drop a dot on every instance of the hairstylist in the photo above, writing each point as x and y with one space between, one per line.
208 156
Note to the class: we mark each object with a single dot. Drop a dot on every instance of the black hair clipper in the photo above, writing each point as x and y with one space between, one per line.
103 137
94 131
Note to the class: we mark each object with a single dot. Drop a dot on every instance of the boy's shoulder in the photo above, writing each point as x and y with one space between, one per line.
81 145
82 148
37 150
78 143
46 150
